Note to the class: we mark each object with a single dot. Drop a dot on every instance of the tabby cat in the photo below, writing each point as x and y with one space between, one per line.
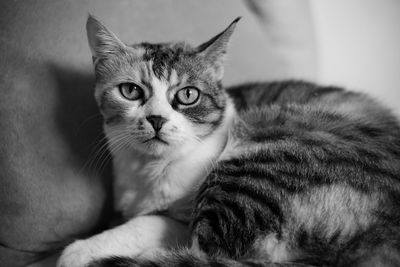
265 174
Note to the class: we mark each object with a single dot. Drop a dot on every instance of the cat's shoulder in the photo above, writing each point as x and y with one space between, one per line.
278 92
261 96
289 104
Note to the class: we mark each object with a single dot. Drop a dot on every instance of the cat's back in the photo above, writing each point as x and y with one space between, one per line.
307 163
263 93
315 129
274 111
299 134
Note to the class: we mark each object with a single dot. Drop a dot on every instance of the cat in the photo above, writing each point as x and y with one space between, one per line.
265 174
162 145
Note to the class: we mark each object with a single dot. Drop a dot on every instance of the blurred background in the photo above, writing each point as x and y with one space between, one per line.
358 43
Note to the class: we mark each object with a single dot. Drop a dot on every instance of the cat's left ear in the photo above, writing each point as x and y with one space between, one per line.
215 49
102 41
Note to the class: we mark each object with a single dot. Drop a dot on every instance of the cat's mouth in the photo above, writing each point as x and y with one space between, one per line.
156 138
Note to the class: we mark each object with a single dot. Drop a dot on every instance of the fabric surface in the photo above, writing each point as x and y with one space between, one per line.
52 190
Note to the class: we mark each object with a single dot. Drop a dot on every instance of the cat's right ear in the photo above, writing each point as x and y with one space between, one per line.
215 49
102 41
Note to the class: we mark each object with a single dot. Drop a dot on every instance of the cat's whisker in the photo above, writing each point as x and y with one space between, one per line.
184 137
116 145
107 156
98 149
92 154
104 151
94 116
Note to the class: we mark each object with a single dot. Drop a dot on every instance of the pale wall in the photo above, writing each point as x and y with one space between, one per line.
359 46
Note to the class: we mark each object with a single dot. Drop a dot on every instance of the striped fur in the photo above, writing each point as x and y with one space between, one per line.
309 175
310 170
186 259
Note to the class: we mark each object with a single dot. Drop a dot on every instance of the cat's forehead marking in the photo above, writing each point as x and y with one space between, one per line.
176 79
159 85
143 71
173 77
158 104
162 83
149 69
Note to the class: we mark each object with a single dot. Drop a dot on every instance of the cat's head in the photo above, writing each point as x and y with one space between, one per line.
158 98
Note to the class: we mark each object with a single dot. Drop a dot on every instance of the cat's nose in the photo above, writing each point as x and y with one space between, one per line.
156 121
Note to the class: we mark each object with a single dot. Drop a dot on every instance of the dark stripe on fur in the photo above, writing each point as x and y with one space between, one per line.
163 57
113 110
199 112
253 192
292 91
185 259
115 119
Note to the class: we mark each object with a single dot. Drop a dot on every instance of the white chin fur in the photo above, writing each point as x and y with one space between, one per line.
171 150
155 147
158 148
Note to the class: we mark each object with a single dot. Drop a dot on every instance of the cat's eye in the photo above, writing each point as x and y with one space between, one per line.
187 96
131 91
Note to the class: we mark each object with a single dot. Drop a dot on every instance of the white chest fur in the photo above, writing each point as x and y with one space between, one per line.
144 184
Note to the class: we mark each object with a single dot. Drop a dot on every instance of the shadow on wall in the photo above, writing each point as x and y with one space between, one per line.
77 114
80 124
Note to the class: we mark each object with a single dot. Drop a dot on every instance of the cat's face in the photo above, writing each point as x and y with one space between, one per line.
160 99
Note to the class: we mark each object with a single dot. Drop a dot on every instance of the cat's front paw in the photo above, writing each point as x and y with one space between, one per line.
78 254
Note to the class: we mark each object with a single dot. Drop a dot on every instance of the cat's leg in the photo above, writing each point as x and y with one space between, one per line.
139 236
228 217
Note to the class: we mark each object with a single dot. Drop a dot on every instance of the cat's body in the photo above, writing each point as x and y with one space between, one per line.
295 173
281 192
312 175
